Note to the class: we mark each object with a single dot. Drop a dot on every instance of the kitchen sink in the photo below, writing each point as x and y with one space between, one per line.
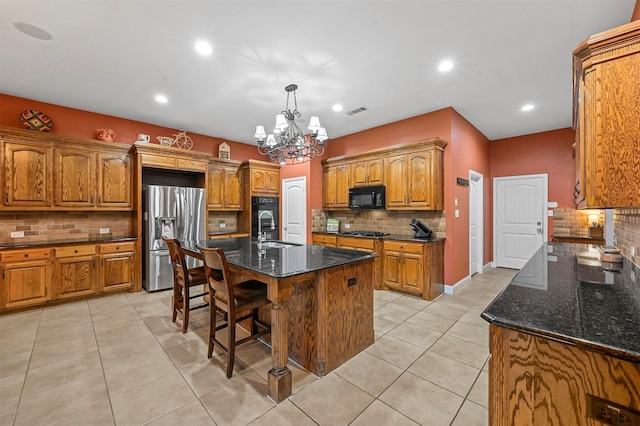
278 244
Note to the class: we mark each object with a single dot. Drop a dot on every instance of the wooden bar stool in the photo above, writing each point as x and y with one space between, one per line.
233 299
183 281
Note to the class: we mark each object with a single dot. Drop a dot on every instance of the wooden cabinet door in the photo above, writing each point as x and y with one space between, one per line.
73 277
329 187
25 283
115 272
232 189
392 268
75 178
359 174
396 181
258 180
419 176
272 182
376 172
215 189
342 186
114 177
28 175
413 272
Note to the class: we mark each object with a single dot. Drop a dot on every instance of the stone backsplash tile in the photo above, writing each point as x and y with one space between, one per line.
575 223
41 227
219 219
388 221
626 229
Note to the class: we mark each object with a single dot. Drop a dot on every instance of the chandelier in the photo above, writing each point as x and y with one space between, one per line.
288 144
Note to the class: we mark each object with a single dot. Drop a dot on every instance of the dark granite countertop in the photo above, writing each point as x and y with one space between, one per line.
20 245
280 262
563 293
386 237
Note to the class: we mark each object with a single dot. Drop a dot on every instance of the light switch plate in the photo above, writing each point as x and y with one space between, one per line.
223 225
104 230
17 234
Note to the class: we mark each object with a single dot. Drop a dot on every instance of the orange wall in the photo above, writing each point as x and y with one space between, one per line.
546 152
636 11
83 124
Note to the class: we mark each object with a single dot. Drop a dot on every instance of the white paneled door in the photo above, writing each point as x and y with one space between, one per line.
520 212
294 207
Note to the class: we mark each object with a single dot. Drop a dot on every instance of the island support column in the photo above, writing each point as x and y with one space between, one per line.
279 377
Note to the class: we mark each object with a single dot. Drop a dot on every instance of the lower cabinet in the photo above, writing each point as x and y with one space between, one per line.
115 266
37 276
74 272
325 240
26 277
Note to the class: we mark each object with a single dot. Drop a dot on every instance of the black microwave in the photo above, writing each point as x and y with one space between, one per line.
367 197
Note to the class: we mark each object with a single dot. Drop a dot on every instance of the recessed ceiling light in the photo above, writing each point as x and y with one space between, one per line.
203 48
162 99
32 31
445 66
527 107
337 107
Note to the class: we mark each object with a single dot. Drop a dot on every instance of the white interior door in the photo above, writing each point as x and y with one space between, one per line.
475 223
294 208
520 207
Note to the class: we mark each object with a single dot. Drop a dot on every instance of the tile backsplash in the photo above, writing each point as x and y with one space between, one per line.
574 223
223 222
387 221
42 227
626 229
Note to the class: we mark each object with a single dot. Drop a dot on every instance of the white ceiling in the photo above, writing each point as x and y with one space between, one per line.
113 56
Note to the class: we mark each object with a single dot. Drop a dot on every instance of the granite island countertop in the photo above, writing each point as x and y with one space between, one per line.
280 262
564 294
386 237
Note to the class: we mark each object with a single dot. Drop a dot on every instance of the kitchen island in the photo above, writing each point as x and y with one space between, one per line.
321 302
565 341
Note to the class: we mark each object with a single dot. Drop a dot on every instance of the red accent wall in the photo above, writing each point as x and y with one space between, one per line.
83 124
547 152
636 11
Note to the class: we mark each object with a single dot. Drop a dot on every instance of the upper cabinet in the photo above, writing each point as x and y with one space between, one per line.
606 117
412 173
224 189
28 175
53 172
368 172
263 178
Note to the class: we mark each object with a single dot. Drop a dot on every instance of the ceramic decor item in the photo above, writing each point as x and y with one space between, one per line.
36 120
107 135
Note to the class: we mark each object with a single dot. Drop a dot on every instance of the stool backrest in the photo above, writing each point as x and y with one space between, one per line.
178 262
216 270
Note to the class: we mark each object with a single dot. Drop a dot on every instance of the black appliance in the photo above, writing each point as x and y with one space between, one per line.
265 210
367 197
421 230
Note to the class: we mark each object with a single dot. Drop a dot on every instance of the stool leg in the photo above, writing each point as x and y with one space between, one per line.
231 344
212 325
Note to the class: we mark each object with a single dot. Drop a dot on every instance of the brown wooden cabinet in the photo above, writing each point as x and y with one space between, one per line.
26 277
606 113
75 172
114 180
224 189
415 181
325 240
414 267
74 271
28 175
115 266
335 186
368 172
265 181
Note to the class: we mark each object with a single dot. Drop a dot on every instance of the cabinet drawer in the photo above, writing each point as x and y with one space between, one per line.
199 166
26 254
365 243
404 246
325 239
159 161
117 247
75 251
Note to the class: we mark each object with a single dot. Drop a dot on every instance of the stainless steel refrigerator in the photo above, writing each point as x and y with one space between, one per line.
174 212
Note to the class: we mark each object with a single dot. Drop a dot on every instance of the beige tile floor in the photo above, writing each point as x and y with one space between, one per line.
119 360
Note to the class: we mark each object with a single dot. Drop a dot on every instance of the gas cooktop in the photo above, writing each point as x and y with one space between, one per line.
366 233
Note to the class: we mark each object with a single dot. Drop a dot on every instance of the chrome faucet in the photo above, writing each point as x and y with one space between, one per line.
262 238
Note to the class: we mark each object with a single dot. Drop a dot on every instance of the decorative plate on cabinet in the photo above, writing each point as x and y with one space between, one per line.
36 120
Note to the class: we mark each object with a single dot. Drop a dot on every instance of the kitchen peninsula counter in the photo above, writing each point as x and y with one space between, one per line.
563 332
321 302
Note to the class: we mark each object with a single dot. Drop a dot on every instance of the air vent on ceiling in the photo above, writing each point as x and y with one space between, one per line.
357 110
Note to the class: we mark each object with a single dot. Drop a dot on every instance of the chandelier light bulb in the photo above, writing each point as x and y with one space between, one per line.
322 135
281 122
260 133
314 125
271 140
